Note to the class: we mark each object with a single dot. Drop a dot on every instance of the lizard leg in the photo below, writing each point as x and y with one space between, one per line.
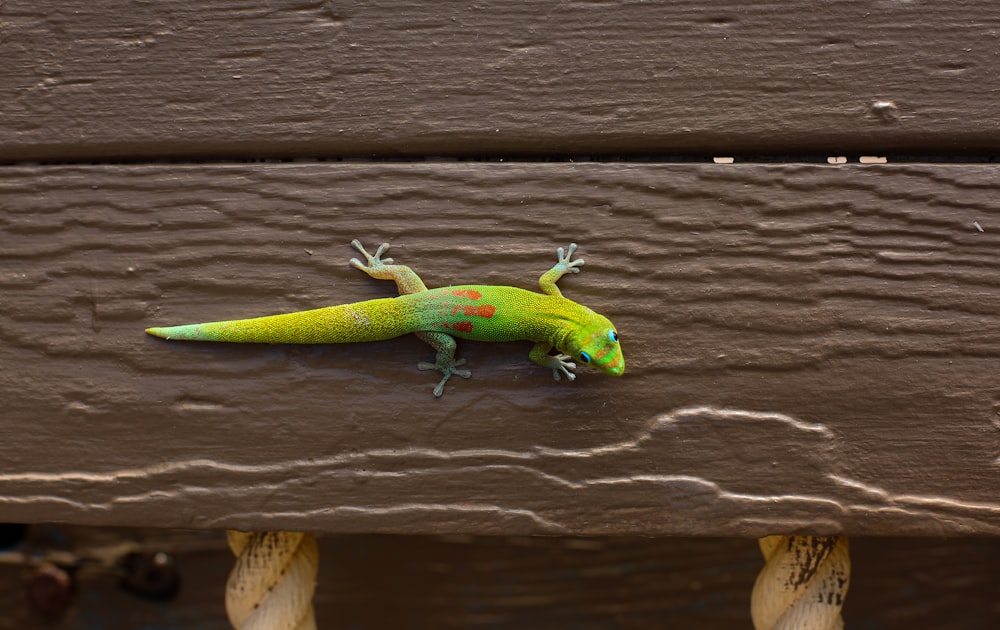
564 265
560 364
445 361
407 281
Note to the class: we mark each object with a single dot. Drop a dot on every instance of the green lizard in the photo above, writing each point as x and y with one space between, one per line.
437 316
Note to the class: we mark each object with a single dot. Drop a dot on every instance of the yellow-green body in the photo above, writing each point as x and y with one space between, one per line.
438 316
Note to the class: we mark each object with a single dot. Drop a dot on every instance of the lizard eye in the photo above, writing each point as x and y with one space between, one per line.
613 336
585 357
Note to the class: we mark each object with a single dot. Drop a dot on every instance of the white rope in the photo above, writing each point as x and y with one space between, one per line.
271 587
803 583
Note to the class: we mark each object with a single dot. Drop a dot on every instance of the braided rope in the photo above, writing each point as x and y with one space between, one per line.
272 584
803 583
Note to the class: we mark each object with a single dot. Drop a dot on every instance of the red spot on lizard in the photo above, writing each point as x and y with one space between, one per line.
486 310
472 294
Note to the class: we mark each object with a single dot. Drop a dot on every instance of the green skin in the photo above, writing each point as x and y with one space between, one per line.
438 316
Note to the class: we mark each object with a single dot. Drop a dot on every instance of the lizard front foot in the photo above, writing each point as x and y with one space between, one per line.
565 260
448 370
561 363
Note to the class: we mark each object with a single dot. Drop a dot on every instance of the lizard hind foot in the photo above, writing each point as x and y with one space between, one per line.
447 370
373 260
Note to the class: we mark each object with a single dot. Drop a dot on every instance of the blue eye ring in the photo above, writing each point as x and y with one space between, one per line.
585 357
613 336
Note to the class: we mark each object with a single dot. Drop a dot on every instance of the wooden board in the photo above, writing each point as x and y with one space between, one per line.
150 80
536 582
809 348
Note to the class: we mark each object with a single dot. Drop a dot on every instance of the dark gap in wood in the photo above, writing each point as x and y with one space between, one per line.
737 158
506 581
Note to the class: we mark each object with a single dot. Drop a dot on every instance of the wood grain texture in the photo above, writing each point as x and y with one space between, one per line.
525 582
809 349
135 79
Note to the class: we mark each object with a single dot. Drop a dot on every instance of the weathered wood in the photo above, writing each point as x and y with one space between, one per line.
809 348
537 582
114 78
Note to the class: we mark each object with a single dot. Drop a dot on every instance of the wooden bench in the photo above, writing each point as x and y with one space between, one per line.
812 343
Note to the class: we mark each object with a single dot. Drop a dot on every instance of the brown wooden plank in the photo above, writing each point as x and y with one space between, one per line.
809 348
537 582
150 79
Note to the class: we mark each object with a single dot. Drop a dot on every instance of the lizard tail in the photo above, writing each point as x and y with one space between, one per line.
372 320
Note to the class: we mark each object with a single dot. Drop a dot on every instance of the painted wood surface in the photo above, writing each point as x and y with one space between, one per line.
151 80
810 348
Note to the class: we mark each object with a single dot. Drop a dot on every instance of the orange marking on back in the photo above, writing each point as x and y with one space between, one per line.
486 310
472 294
465 327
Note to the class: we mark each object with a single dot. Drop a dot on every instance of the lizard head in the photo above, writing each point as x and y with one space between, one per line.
595 343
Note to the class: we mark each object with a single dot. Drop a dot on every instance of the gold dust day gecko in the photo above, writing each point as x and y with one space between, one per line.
438 316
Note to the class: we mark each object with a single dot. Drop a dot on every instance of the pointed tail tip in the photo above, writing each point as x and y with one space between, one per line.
157 332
